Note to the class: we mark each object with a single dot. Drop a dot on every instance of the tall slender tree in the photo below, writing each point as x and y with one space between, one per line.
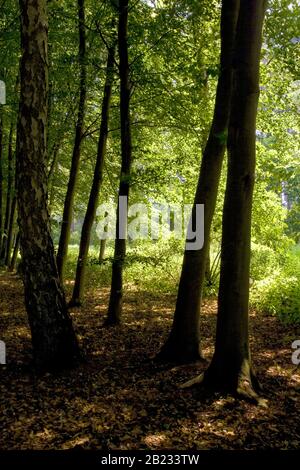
13 260
11 227
53 338
183 343
9 195
1 179
231 369
69 199
101 256
97 179
116 294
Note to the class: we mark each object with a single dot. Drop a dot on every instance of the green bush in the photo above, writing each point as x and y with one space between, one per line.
264 261
279 293
155 267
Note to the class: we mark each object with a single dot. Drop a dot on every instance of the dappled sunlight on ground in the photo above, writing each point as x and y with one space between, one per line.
120 399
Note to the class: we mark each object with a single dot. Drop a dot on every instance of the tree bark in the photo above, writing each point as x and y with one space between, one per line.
231 369
1 180
69 199
102 250
10 232
53 339
208 267
183 343
13 261
78 290
116 293
8 192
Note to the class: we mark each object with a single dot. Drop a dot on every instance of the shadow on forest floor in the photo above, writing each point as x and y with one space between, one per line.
120 399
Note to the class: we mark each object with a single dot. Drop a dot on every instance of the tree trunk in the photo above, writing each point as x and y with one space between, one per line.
103 244
231 369
208 267
116 293
53 339
97 180
1 180
102 250
50 182
13 261
8 193
10 232
183 344
69 199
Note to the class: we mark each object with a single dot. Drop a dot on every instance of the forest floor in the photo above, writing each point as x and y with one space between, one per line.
120 399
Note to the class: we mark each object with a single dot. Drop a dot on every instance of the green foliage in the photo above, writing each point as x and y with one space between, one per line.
264 261
174 57
293 222
150 265
279 293
268 220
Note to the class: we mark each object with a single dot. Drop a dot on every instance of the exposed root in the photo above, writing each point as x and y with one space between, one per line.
256 384
245 388
190 383
249 390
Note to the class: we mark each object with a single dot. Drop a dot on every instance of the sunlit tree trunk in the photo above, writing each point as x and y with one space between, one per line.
102 250
13 261
97 180
116 294
53 339
183 343
69 199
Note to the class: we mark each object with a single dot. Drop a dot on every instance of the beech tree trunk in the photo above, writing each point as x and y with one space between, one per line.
8 193
116 293
53 339
69 199
183 344
97 180
231 368
102 250
1 180
208 267
10 232
13 261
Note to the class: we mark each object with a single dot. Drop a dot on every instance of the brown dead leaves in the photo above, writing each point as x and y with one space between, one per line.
119 399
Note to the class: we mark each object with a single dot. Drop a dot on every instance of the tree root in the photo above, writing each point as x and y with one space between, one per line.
190 383
246 388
